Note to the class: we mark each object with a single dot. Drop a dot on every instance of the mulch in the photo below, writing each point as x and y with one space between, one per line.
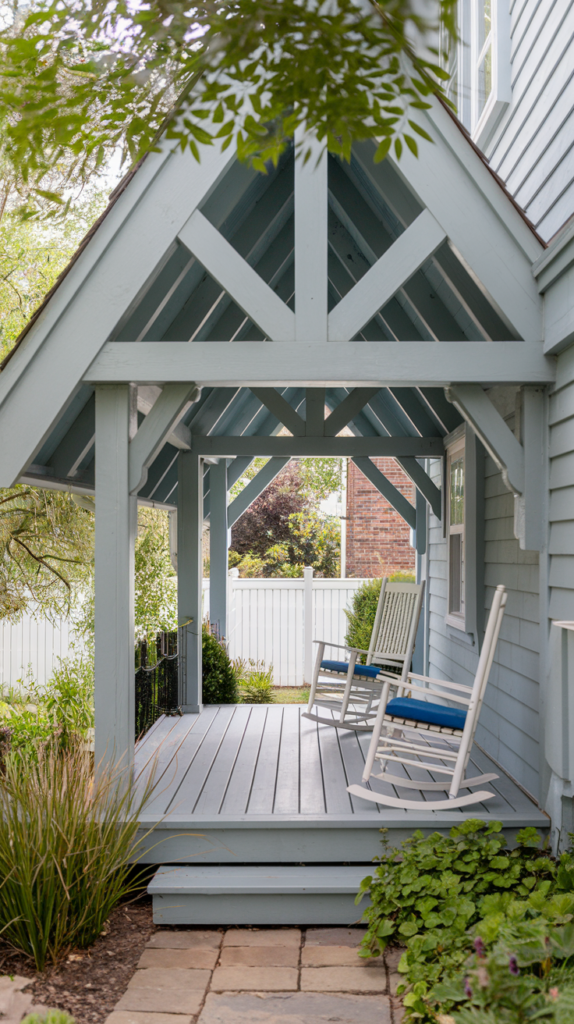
89 982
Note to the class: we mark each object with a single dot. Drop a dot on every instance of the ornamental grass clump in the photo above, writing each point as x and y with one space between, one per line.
67 848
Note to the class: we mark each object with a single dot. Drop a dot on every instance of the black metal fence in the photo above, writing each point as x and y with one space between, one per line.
156 681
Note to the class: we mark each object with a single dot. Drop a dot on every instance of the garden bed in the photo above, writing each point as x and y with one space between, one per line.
89 982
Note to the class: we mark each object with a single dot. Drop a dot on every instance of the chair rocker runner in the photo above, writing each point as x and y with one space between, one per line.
405 725
353 690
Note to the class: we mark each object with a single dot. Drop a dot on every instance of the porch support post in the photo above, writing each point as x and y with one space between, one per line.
189 577
116 524
421 527
218 547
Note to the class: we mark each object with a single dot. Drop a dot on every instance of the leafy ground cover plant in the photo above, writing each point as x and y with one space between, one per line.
440 892
67 847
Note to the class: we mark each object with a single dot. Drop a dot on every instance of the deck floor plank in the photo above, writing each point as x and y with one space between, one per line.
199 768
236 797
262 796
175 772
337 800
287 788
216 782
244 762
312 798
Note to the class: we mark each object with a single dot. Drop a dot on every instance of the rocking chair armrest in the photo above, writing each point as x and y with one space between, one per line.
441 682
342 647
435 693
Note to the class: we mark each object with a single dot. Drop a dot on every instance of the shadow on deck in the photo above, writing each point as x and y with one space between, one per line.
261 784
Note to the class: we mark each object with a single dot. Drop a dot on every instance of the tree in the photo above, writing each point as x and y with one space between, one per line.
267 520
85 77
283 530
33 254
46 551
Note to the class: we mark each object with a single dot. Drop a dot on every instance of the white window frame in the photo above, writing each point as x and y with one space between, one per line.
453 452
484 122
481 124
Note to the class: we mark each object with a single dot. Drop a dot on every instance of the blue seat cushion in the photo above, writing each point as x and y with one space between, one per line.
424 711
369 671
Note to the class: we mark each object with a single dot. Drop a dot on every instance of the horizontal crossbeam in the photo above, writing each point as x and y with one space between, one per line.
351 364
300 447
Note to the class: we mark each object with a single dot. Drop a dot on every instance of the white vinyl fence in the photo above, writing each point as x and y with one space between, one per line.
276 621
34 646
270 620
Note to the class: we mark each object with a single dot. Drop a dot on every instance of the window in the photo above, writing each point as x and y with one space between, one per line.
479 65
455 528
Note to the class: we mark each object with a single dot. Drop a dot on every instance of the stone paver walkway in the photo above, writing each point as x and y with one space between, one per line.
259 976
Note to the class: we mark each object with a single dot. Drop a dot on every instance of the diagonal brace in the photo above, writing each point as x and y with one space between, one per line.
280 408
254 488
154 430
346 411
475 406
387 489
257 300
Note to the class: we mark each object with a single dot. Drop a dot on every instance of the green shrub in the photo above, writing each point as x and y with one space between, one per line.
255 681
441 891
67 847
361 614
219 680
69 697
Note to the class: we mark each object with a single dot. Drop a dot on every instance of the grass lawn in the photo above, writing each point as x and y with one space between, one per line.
291 694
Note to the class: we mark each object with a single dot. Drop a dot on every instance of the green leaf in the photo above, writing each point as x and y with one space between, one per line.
382 150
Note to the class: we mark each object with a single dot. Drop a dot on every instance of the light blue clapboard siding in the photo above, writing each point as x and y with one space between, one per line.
561 506
509 725
533 146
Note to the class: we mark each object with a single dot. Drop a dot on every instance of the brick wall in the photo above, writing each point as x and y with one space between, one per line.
378 539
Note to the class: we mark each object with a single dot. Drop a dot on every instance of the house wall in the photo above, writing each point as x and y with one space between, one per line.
378 539
509 726
559 685
532 148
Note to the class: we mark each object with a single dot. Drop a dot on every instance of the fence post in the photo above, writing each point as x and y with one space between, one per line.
308 624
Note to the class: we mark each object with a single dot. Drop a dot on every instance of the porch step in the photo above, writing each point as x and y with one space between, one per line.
257 894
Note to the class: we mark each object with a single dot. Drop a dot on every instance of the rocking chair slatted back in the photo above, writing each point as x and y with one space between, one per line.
391 637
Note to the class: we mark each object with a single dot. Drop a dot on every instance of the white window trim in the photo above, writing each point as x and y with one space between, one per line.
453 450
484 125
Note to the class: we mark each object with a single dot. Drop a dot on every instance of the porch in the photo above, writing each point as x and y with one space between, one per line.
262 784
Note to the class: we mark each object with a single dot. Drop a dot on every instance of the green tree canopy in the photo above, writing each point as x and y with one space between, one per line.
82 77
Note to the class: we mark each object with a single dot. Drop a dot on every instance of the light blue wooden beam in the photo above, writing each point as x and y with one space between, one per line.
346 411
254 488
321 447
189 578
350 364
218 547
421 524
387 489
280 408
116 525
315 412
152 434
475 406
75 445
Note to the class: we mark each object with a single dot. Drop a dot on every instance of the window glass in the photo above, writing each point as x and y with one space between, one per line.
457 491
484 80
455 533
484 22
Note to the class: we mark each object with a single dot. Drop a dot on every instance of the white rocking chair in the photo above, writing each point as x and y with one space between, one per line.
353 690
404 726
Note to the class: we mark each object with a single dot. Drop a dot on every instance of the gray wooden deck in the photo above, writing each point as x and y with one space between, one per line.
262 784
